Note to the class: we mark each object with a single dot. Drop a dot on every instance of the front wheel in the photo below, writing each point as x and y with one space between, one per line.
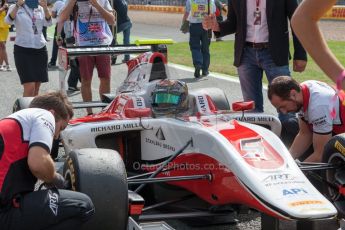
334 153
101 174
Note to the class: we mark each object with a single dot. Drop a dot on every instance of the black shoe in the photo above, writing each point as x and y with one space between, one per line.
197 72
51 65
71 88
205 73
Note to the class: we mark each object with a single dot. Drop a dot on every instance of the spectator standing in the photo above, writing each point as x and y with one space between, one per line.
4 31
261 43
30 51
26 141
199 42
124 23
321 112
92 30
305 25
58 5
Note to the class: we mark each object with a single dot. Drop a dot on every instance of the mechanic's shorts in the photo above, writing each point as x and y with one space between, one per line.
47 209
87 64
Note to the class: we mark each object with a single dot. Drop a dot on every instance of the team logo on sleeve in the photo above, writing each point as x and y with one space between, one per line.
48 124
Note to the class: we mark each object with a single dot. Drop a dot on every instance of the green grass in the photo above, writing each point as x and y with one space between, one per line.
222 57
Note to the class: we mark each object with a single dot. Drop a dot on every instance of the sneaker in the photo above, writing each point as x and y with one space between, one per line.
71 88
205 73
7 68
2 68
197 72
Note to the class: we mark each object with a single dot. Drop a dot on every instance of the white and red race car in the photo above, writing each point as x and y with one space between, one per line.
214 155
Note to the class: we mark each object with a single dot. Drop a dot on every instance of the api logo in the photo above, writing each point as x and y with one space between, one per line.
294 191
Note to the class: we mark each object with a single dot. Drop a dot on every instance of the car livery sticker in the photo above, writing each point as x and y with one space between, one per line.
138 102
202 104
255 150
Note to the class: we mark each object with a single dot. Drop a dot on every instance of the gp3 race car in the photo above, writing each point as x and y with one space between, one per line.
195 164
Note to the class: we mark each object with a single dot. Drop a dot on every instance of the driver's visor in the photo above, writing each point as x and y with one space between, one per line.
166 98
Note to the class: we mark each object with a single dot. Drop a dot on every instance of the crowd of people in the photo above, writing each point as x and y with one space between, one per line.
261 45
31 54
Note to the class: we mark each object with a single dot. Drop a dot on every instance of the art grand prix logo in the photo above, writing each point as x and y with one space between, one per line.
53 202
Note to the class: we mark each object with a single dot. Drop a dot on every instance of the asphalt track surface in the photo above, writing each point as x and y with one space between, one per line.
149 25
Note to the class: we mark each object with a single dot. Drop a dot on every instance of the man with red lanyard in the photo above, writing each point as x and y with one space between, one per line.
92 29
25 143
320 110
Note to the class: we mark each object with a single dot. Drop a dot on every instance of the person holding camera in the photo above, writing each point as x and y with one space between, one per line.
26 139
92 29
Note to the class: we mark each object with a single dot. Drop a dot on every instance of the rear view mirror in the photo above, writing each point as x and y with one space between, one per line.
243 105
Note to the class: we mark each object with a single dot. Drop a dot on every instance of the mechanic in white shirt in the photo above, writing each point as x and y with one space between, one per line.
30 52
25 143
320 108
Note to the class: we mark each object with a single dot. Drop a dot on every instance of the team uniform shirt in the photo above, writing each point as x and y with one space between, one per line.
198 9
25 21
317 106
256 32
18 133
91 28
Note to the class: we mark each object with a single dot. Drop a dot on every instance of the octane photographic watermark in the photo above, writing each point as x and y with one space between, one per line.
180 166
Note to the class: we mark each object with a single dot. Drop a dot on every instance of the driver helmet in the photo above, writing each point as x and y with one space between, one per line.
169 97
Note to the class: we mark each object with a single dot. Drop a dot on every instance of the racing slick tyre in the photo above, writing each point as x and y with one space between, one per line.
217 95
334 153
21 103
101 174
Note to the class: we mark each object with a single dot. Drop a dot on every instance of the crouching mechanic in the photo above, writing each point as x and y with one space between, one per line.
320 112
25 142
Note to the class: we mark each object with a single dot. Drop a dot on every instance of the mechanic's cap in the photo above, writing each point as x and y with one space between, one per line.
169 97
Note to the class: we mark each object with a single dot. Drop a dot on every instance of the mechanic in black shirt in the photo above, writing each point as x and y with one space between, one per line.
25 142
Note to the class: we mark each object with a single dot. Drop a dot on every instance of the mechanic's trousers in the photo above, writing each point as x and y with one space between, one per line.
47 209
